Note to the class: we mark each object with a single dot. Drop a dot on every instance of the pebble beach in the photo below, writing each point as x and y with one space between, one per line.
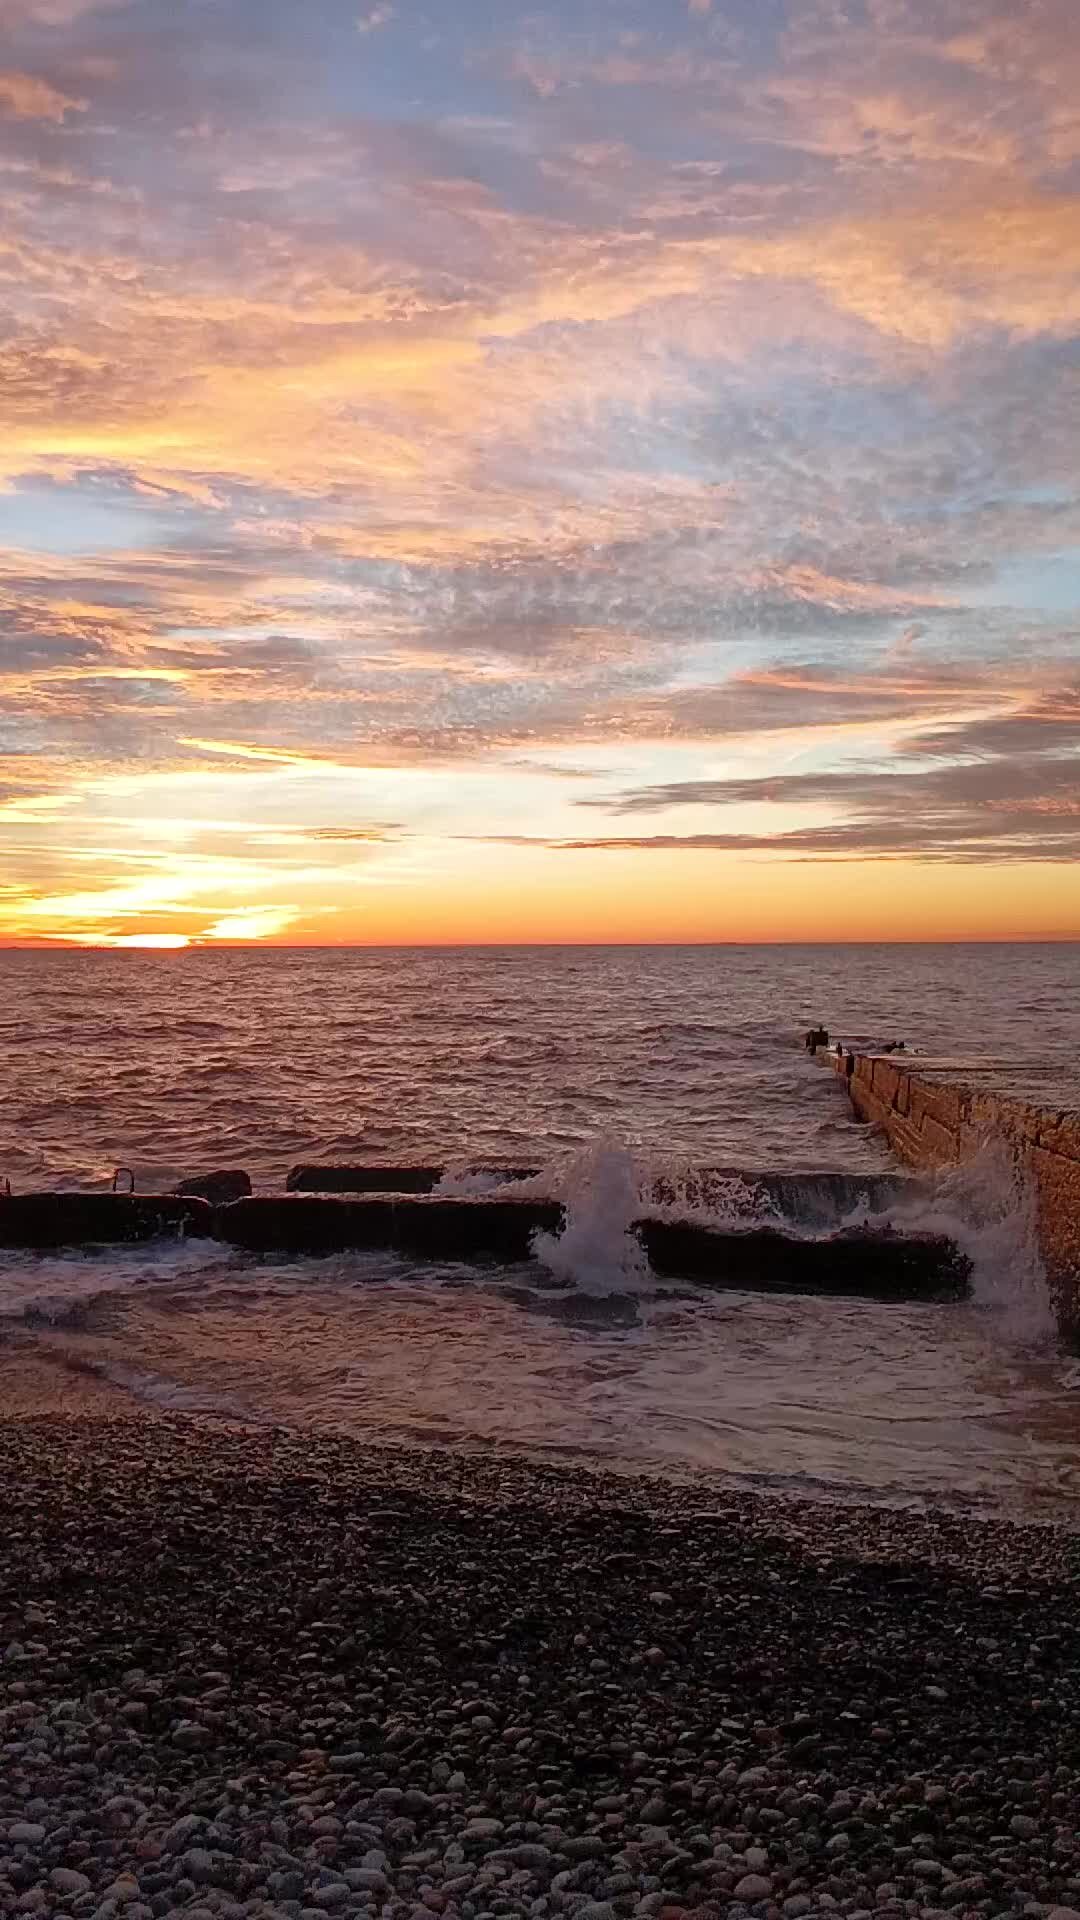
252 1673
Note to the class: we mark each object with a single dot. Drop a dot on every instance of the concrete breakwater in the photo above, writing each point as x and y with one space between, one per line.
815 1198
869 1261
945 1112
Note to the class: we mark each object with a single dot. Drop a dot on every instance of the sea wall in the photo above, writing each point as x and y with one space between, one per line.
941 1113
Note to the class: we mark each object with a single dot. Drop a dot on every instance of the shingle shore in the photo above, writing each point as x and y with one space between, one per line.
257 1674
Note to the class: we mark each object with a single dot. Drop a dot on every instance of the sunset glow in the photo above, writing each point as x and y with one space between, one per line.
165 941
609 472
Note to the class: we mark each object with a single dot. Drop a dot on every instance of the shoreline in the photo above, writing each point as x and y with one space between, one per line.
41 1382
250 1672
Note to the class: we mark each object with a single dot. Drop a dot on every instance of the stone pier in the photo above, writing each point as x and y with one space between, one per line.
941 1112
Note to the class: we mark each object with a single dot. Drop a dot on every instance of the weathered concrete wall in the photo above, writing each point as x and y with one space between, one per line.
875 1263
940 1113
40 1220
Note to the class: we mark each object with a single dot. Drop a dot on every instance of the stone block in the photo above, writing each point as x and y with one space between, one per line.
1060 1133
97 1219
866 1103
873 1262
1057 1188
984 1119
227 1183
941 1146
1022 1121
451 1229
906 1142
943 1102
886 1081
385 1177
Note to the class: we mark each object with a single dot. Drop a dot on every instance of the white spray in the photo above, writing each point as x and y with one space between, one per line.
988 1207
597 1249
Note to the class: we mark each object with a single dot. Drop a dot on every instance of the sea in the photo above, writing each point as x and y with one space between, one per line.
603 1066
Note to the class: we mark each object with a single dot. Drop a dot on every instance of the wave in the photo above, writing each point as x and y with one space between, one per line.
605 1187
985 1207
989 1209
58 1288
157 1389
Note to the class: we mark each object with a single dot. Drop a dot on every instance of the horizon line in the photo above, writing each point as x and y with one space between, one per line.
195 945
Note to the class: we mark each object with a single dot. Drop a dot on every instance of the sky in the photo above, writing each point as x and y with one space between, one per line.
606 470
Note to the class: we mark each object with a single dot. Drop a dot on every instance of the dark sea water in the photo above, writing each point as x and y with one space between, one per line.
601 1065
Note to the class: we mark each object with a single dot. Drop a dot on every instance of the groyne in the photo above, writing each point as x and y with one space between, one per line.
871 1261
811 1198
939 1112
45 1221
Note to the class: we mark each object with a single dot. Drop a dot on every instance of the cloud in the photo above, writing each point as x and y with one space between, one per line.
27 97
379 16
276 756
819 701
1047 784
697 394
1045 722
372 835
1023 838
1013 795
934 275
253 923
54 13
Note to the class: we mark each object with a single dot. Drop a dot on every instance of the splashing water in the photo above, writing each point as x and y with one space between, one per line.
597 1249
459 1180
988 1208
707 1196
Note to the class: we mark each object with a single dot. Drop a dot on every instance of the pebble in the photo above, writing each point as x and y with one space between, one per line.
190 1736
66 1880
753 1886
587 1846
379 1690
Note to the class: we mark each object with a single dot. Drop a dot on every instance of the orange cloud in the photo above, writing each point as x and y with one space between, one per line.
26 97
930 275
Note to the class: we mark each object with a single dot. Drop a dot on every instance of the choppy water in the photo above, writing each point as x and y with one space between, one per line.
173 1063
